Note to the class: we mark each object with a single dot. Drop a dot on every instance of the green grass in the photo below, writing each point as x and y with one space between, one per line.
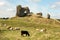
30 24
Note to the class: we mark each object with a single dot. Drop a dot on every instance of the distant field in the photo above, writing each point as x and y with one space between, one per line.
30 24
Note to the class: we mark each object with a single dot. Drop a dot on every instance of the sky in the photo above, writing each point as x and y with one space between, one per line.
8 7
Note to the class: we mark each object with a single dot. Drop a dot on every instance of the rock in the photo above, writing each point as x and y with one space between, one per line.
8 27
11 28
37 29
48 16
43 30
17 28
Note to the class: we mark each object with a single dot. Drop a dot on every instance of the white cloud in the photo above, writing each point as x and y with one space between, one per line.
6 9
56 5
35 0
10 9
53 6
2 3
56 8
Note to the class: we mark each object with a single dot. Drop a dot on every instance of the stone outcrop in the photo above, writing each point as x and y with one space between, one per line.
48 16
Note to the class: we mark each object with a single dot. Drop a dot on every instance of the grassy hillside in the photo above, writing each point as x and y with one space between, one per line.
30 24
58 19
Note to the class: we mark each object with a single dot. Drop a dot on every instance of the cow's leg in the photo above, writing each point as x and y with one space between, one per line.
27 34
22 34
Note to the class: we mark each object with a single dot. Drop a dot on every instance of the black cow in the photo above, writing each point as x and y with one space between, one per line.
25 32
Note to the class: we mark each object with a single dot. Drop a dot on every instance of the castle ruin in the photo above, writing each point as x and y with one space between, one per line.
22 11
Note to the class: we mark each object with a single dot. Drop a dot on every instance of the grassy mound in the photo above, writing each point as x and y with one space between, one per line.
30 24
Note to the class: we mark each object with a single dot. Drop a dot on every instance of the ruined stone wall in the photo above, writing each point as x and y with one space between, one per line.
22 11
39 15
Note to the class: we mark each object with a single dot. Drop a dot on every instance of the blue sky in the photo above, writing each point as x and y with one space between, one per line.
8 7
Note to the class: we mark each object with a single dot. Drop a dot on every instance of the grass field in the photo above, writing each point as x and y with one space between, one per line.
30 24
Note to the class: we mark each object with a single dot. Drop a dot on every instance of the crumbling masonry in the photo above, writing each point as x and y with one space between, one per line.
22 11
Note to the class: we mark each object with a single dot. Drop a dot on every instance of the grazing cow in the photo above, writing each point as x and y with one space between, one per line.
25 32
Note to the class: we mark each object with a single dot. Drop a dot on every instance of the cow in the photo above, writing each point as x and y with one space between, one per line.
25 32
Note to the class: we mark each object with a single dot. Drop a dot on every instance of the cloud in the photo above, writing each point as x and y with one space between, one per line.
2 3
6 9
10 9
35 0
56 5
53 6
